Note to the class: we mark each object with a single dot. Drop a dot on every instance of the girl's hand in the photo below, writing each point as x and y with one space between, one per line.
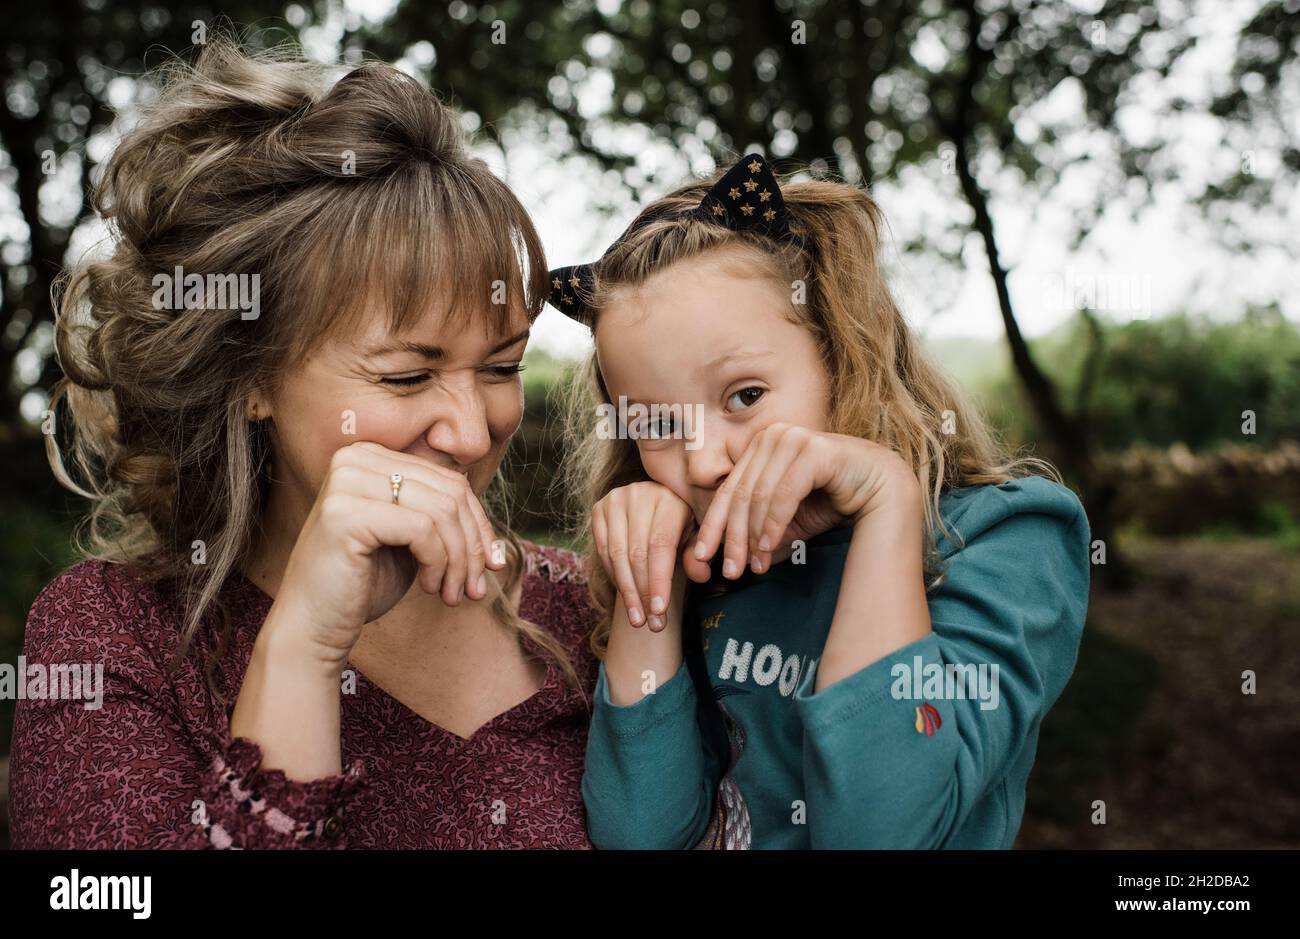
358 553
639 530
792 483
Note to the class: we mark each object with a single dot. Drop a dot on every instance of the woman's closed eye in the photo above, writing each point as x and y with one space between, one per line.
406 379
494 373
505 372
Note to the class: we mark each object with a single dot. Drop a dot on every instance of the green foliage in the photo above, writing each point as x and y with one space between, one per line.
534 495
1271 519
1168 380
543 377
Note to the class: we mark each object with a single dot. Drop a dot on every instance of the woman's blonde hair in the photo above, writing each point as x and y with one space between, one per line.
334 193
883 387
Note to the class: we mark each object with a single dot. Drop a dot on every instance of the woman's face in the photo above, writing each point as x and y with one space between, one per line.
702 335
452 396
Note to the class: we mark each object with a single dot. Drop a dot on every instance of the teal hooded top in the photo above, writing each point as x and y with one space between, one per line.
929 747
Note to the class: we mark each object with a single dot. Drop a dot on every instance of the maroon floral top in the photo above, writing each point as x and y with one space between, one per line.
155 766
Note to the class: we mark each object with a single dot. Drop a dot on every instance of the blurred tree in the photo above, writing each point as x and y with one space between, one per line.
1260 107
494 60
61 63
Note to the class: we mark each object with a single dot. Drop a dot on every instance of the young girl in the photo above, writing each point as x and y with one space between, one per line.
882 608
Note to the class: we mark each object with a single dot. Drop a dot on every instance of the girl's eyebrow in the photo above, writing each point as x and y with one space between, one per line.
732 355
434 353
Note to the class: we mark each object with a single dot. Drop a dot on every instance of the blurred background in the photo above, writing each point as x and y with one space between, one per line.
1093 209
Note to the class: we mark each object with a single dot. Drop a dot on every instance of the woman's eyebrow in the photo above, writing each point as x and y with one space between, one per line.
405 345
507 343
435 353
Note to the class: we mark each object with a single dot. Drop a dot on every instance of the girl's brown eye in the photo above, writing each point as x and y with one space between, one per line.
746 397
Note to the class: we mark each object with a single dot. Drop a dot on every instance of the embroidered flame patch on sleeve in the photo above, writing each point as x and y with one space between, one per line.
927 720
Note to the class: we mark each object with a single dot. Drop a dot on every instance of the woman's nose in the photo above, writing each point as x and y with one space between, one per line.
460 427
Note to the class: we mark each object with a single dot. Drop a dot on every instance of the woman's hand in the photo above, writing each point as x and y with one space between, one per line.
639 531
355 558
358 554
792 483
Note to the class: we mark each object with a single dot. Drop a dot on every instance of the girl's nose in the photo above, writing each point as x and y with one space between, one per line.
709 464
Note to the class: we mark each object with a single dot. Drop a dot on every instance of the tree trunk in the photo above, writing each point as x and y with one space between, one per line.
1068 436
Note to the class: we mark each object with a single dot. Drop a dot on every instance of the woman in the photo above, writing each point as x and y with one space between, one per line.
311 633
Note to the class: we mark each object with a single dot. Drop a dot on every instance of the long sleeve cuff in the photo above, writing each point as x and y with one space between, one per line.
646 783
675 695
245 806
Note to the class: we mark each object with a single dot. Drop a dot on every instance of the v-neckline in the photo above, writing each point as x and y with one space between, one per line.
426 726
487 727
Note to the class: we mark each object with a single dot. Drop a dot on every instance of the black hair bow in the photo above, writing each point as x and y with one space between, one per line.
746 198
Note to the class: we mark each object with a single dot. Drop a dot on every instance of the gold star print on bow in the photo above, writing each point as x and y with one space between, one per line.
569 286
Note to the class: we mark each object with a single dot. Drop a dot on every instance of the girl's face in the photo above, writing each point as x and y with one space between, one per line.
450 396
707 336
